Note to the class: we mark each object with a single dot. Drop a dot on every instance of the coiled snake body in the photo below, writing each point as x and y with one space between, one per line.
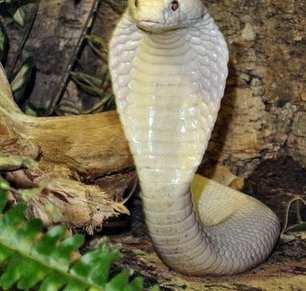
168 63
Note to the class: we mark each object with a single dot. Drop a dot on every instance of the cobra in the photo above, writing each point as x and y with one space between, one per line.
168 63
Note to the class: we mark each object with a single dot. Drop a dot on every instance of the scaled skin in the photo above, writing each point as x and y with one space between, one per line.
168 63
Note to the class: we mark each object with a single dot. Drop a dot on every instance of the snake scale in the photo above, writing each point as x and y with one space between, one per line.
168 63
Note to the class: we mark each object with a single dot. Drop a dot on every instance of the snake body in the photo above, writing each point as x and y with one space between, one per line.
168 63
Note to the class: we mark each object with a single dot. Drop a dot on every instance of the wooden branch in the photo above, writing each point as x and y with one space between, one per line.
57 33
93 145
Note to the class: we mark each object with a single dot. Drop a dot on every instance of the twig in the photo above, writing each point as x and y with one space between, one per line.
131 192
295 199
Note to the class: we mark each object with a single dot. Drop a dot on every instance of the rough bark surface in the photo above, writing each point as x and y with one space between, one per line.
53 42
267 82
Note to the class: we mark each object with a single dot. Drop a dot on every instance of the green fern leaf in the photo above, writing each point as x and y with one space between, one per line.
31 259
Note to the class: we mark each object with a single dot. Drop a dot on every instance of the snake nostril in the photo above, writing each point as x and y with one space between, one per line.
174 5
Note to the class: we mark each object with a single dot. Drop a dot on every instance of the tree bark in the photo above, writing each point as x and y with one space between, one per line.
54 42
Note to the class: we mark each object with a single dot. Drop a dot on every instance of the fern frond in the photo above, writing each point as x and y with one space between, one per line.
30 258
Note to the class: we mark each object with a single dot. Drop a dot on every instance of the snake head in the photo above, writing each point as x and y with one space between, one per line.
165 15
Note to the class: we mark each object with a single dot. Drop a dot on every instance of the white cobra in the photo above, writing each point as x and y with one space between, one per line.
168 63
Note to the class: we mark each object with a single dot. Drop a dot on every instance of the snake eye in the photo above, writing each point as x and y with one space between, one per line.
174 5
136 3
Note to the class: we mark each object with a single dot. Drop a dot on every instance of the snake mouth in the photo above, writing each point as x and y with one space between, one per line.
149 25
152 26
148 22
